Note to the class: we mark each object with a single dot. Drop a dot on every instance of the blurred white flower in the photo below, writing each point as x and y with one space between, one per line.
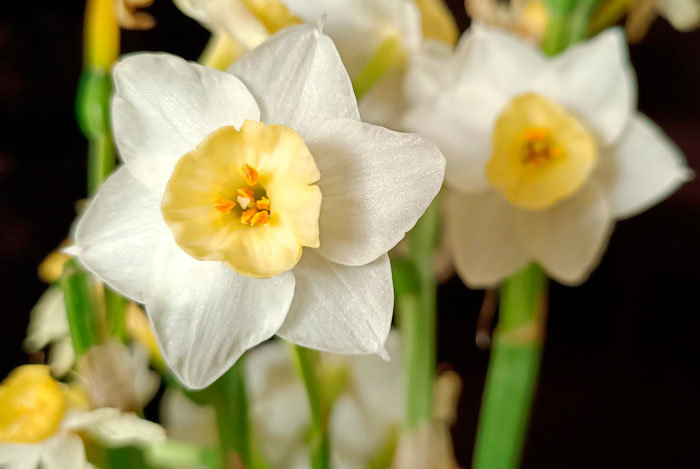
527 18
365 413
359 28
41 418
544 154
48 326
185 420
221 194
114 375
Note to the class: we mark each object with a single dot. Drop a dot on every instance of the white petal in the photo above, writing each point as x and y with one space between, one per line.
146 381
481 233
61 356
684 15
164 106
595 81
568 240
384 103
644 168
498 62
430 71
376 183
340 309
66 452
118 234
298 79
460 122
116 429
47 321
20 456
358 27
379 384
186 420
354 434
230 17
205 315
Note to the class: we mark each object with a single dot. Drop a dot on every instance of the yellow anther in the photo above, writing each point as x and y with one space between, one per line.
251 175
263 204
245 197
260 218
533 134
224 205
248 215
555 151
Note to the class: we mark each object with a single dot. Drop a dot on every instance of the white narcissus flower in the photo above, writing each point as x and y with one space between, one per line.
369 407
40 419
364 414
358 29
544 154
215 221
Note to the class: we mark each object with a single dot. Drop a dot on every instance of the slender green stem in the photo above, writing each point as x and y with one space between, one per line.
115 308
231 404
388 56
415 287
307 362
80 311
513 371
174 453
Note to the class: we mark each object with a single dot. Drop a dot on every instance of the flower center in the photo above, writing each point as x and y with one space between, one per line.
32 405
255 210
246 197
541 154
539 148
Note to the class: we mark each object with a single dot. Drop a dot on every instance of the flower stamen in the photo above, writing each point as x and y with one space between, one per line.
224 205
251 175
539 148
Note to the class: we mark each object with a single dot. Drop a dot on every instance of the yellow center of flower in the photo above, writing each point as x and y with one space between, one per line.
541 154
32 405
272 13
247 198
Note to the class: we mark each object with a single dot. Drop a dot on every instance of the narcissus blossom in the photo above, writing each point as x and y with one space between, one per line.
40 419
254 203
420 31
367 412
544 154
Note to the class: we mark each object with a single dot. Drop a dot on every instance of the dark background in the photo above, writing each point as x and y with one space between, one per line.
619 384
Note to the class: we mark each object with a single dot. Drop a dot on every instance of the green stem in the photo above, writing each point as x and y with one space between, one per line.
115 308
231 404
101 161
388 56
512 375
174 453
416 287
307 362
82 318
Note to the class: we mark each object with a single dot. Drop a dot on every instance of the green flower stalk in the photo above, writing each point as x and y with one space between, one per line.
517 346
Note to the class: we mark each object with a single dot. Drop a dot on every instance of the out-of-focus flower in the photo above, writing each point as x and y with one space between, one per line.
527 18
51 267
114 375
249 22
48 326
543 155
40 419
221 194
430 445
359 29
684 15
140 331
188 421
368 408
